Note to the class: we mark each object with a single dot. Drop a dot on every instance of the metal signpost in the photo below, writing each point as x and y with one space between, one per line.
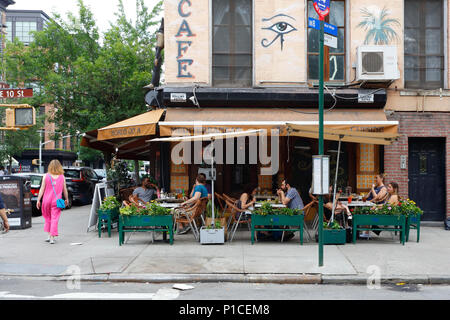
322 8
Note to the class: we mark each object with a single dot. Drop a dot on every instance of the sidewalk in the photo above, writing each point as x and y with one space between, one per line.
24 253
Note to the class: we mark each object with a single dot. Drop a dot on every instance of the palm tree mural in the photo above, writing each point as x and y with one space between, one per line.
379 28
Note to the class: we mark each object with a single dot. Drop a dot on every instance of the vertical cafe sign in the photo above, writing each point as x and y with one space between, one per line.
184 40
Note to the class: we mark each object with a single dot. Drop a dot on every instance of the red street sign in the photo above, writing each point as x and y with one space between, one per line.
322 8
4 85
16 93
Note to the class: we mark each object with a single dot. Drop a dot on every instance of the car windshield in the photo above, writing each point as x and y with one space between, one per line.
101 173
73 174
36 180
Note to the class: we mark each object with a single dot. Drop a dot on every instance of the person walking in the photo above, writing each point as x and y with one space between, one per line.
3 215
53 185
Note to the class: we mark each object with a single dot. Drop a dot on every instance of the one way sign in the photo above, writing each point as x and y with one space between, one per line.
327 28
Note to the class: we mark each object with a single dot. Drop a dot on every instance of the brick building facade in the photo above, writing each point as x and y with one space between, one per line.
428 127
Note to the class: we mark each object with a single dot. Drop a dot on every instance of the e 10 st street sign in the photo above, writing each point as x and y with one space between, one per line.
15 93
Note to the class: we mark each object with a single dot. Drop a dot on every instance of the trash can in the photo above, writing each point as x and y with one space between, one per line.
17 198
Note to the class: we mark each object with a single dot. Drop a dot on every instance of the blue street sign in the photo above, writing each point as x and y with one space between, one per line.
328 28
323 5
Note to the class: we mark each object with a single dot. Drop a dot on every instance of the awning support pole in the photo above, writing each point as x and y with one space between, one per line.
335 180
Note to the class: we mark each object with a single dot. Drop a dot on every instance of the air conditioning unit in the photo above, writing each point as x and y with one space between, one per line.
377 63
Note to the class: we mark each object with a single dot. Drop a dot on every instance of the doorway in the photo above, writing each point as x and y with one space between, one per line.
426 173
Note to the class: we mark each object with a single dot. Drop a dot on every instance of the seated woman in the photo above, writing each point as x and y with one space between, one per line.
393 197
247 198
339 209
378 195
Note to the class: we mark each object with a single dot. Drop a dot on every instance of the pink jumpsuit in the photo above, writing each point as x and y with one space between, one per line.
50 211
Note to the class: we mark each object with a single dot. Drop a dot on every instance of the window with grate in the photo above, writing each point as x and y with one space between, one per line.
334 66
232 43
424 44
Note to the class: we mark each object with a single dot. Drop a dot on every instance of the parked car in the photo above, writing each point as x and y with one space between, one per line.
35 186
81 181
101 173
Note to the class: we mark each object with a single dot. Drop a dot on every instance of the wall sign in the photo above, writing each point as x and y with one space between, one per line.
184 33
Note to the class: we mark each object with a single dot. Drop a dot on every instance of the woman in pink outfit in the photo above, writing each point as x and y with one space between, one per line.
49 194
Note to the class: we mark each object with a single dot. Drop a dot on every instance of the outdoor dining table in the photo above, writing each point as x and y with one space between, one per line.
358 203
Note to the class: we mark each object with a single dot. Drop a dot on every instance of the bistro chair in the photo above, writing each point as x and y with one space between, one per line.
190 215
229 198
236 222
224 208
311 216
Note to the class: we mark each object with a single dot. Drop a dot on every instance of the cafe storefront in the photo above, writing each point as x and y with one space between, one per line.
241 161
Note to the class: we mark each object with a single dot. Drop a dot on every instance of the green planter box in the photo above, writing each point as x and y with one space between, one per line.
144 224
413 222
334 236
388 222
107 217
272 221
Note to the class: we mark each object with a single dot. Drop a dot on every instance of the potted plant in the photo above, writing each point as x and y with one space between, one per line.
333 233
219 220
413 216
140 219
108 213
268 218
214 231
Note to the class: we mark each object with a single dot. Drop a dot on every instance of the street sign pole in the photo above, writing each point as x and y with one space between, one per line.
321 67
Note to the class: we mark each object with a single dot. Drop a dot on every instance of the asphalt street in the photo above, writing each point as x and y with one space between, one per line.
11 288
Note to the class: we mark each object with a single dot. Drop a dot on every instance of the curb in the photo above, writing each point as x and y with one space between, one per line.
237 278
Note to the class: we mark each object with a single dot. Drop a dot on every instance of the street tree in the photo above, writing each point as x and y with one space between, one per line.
92 80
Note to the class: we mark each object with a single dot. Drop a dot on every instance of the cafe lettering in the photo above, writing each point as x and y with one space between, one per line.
184 33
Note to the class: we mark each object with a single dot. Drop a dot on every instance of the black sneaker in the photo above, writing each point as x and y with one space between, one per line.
288 236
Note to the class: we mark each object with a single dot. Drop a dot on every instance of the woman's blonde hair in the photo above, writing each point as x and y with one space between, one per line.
55 168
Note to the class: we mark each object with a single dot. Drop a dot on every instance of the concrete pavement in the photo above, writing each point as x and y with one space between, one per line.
25 253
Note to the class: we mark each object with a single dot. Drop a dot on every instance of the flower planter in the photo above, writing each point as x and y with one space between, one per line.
144 223
212 236
334 236
107 217
223 224
269 222
391 223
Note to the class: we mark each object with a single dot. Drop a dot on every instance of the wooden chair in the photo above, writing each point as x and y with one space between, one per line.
126 193
236 222
229 198
311 216
190 215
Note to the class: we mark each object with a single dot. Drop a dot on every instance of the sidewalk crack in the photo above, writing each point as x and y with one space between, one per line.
349 261
92 265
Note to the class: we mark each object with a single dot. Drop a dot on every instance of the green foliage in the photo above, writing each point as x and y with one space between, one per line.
151 209
406 207
119 174
110 203
333 225
267 209
93 80
209 210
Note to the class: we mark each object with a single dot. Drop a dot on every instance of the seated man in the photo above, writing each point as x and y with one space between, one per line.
290 197
144 193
